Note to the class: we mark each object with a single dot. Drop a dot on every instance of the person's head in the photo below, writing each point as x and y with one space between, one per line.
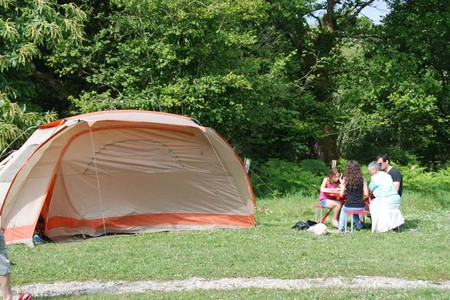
334 175
374 167
383 161
353 174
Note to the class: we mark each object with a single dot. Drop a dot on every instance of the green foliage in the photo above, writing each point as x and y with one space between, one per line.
277 178
29 31
389 109
392 100
26 26
436 184
16 122
223 63
314 166
420 28
256 71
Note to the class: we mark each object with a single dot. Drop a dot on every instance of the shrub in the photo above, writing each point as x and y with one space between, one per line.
316 167
417 179
437 184
278 178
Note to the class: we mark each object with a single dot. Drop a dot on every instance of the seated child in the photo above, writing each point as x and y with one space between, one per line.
331 184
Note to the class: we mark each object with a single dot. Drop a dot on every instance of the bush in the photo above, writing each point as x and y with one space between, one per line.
278 178
316 167
415 178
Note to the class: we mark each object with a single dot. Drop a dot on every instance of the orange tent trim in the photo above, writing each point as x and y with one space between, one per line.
153 220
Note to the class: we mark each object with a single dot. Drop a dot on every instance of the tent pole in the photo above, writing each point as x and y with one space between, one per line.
98 180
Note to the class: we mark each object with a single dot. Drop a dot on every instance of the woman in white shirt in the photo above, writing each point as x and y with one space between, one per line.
385 208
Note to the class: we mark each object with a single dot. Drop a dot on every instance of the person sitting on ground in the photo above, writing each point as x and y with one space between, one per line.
385 207
5 270
331 184
355 186
385 163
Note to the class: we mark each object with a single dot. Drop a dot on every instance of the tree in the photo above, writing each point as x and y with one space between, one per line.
17 124
394 92
29 30
336 21
221 62
273 85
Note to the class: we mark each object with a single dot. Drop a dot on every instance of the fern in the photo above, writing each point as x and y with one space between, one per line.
278 178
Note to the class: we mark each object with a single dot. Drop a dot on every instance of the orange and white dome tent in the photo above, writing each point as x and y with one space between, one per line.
123 172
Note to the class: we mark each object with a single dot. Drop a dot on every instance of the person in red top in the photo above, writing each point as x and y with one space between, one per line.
331 184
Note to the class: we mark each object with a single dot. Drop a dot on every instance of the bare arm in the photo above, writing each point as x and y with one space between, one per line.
366 189
397 185
342 189
324 182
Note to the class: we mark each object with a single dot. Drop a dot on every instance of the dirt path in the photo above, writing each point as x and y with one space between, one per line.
120 287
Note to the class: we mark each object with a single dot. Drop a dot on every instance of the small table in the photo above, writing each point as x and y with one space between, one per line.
336 195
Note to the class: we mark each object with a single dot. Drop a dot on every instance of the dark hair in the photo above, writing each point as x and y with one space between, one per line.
384 157
333 172
353 175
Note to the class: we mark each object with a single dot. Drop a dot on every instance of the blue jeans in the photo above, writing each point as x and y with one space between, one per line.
5 264
343 217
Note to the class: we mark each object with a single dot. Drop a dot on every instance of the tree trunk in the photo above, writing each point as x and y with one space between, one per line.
332 24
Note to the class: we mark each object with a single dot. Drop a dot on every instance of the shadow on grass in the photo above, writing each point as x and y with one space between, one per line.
411 224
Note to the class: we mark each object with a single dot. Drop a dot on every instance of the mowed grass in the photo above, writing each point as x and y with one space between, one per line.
271 249
268 294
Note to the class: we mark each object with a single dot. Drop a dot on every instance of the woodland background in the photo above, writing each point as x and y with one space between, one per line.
284 81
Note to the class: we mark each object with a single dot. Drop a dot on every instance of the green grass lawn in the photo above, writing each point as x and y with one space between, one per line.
271 249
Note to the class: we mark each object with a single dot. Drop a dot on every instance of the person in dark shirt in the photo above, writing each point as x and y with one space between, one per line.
355 186
384 161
